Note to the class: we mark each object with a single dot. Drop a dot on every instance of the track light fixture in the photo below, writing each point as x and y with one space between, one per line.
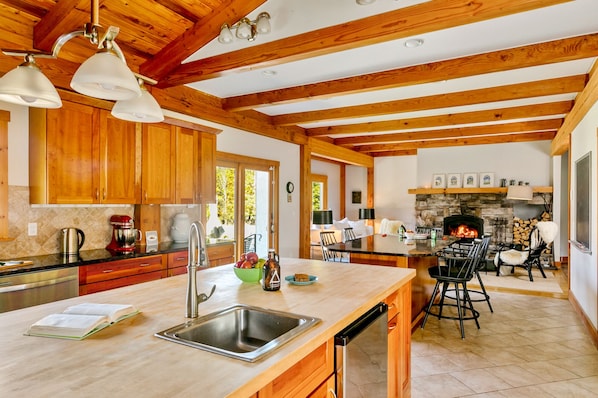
245 29
104 75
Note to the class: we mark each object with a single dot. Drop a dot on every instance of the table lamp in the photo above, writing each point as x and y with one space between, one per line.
520 192
367 214
322 217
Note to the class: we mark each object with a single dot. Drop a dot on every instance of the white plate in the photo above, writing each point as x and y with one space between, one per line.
420 236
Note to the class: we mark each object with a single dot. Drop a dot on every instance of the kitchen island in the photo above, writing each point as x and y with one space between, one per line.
390 250
126 359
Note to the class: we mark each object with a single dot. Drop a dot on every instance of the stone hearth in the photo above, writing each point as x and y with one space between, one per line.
497 212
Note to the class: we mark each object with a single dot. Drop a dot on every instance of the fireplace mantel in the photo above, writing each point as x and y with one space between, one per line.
444 191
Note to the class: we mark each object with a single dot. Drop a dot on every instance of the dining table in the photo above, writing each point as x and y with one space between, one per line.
396 251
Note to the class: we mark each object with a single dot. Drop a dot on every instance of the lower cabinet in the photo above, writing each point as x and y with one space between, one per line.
217 254
306 377
109 275
177 263
399 342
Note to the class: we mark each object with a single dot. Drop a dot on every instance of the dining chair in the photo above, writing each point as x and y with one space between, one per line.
349 234
455 270
328 238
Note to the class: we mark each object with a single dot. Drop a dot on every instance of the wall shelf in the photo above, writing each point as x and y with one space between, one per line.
448 191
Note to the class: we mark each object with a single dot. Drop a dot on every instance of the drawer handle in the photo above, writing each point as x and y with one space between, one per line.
392 306
181 258
144 264
392 326
107 271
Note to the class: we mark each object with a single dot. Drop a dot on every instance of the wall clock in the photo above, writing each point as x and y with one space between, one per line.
290 187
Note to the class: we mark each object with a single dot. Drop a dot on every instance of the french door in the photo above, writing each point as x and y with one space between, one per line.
246 198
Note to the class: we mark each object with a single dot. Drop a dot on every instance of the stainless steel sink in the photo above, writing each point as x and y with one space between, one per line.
242 332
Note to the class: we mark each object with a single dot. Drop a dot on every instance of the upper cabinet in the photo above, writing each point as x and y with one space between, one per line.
158 164
83 155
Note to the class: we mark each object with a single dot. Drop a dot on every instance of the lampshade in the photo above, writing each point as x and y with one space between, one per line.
322 217
244 29
104 75
226 36
262 24
367 214
520 192
27 85
142 109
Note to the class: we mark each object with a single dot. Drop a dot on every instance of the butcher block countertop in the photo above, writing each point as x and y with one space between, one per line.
127 360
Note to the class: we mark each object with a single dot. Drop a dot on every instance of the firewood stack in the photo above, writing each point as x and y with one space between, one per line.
522 229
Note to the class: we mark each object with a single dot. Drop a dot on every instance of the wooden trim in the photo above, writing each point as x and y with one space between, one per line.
4 119
592 331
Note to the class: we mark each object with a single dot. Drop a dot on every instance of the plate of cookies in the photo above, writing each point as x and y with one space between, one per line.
301 279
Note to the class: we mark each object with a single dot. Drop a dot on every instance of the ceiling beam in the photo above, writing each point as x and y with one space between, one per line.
583 102
507 138
498 61
494 129
417 19
336 153
451 119
202 32
562 85
64 17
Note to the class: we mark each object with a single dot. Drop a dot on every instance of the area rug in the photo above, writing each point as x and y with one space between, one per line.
518 282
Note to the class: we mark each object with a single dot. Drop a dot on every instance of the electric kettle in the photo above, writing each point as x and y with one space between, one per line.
71 240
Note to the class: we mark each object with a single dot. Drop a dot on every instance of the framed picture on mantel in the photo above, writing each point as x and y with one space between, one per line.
486 180
438 181
454 180
470 180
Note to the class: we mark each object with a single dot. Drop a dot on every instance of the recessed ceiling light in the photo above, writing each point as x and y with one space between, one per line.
412 43
269 73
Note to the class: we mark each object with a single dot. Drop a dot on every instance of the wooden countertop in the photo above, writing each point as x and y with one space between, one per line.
126 358
391 245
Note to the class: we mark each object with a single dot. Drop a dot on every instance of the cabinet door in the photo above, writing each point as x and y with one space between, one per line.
120 172
207 168
187 173
158 167
72 155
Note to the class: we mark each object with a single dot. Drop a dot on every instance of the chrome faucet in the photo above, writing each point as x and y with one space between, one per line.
197 257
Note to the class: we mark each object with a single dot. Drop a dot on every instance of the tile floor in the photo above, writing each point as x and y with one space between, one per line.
530 346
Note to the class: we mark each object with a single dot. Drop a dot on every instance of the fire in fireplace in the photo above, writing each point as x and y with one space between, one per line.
463 226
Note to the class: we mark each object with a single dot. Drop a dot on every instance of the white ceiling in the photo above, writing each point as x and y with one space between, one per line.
290 17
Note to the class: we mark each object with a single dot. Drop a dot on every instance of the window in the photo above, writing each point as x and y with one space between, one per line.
319 192
246 203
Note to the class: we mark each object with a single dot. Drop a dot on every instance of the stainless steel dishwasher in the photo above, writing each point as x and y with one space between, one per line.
361 356
33 288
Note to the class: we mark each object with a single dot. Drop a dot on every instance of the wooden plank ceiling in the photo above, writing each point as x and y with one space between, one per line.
156 36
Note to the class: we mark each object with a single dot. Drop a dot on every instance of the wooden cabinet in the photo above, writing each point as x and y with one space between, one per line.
305 377
399 342
158 163
109 275
81 155
223 253
187 166
177 263
207 168
326 389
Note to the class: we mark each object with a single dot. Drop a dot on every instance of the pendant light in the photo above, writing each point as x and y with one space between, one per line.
27 85
144 108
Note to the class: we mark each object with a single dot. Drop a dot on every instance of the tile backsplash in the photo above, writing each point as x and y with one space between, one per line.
50 219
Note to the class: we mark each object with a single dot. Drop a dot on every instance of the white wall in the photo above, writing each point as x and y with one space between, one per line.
505 160
18 144
356 180
583 267
393 176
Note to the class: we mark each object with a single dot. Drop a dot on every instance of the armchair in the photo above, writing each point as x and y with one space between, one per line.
541 235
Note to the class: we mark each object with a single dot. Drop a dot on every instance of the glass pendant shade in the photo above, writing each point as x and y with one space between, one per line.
104 75
27 85
143 109
226 36
244 29
263 23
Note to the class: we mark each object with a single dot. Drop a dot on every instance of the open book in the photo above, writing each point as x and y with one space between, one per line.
81 320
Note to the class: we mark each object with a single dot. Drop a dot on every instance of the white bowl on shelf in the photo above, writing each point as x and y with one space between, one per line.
410 235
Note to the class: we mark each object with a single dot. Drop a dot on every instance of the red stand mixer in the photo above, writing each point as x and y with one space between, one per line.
124 234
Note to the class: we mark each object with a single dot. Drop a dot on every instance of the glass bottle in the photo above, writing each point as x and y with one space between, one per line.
271 272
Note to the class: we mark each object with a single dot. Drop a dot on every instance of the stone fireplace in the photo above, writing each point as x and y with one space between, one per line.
463 226
497 214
